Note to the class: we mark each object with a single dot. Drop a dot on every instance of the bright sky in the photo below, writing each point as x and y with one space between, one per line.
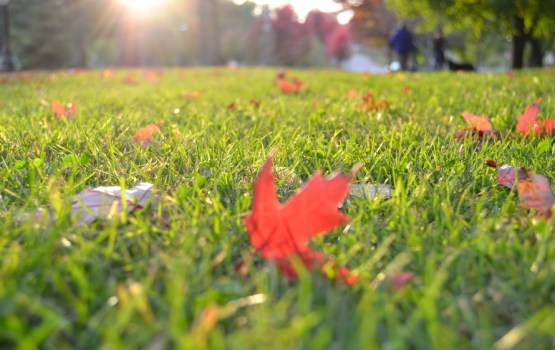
303 7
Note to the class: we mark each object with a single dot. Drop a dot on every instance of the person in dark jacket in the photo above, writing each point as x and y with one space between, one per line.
402 43
439 49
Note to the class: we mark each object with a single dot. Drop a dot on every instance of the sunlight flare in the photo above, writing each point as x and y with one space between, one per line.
141 6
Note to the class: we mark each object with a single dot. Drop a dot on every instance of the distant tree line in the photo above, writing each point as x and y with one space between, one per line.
94 33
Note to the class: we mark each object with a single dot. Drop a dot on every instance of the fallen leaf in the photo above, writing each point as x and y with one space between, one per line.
508 175
256 103
151 76
478 123
144 135
548 126
481 128
108 73
535 193
63 111
281 232
193 95
353 93
288 87
399 280
281 74
527 122
370 103
130 79
58 108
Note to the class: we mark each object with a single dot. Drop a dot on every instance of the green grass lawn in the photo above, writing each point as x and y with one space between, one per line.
165 276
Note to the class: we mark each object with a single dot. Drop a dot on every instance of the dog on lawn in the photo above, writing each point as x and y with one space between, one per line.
465 66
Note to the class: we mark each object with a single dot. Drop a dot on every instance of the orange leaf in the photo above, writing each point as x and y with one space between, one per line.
193 95
57 108
107 73
280 232
372 104
478 123
287 87
63 111
144 135
352 93
536 193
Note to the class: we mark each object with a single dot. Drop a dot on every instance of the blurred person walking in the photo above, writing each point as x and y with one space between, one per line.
402 43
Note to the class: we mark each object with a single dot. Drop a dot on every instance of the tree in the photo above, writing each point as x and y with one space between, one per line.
209 32
236 22
338 46
40 35
59 33
525 21
291 39
371 20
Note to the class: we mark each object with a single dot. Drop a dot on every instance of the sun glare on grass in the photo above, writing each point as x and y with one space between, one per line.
141 6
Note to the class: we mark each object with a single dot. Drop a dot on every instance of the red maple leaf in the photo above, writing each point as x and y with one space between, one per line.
281 232
536 193
527 122
508 175
548 126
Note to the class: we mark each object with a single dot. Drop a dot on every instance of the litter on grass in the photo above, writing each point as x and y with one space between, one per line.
371 191
104 202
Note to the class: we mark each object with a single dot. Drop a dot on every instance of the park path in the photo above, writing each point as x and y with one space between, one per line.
359 62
